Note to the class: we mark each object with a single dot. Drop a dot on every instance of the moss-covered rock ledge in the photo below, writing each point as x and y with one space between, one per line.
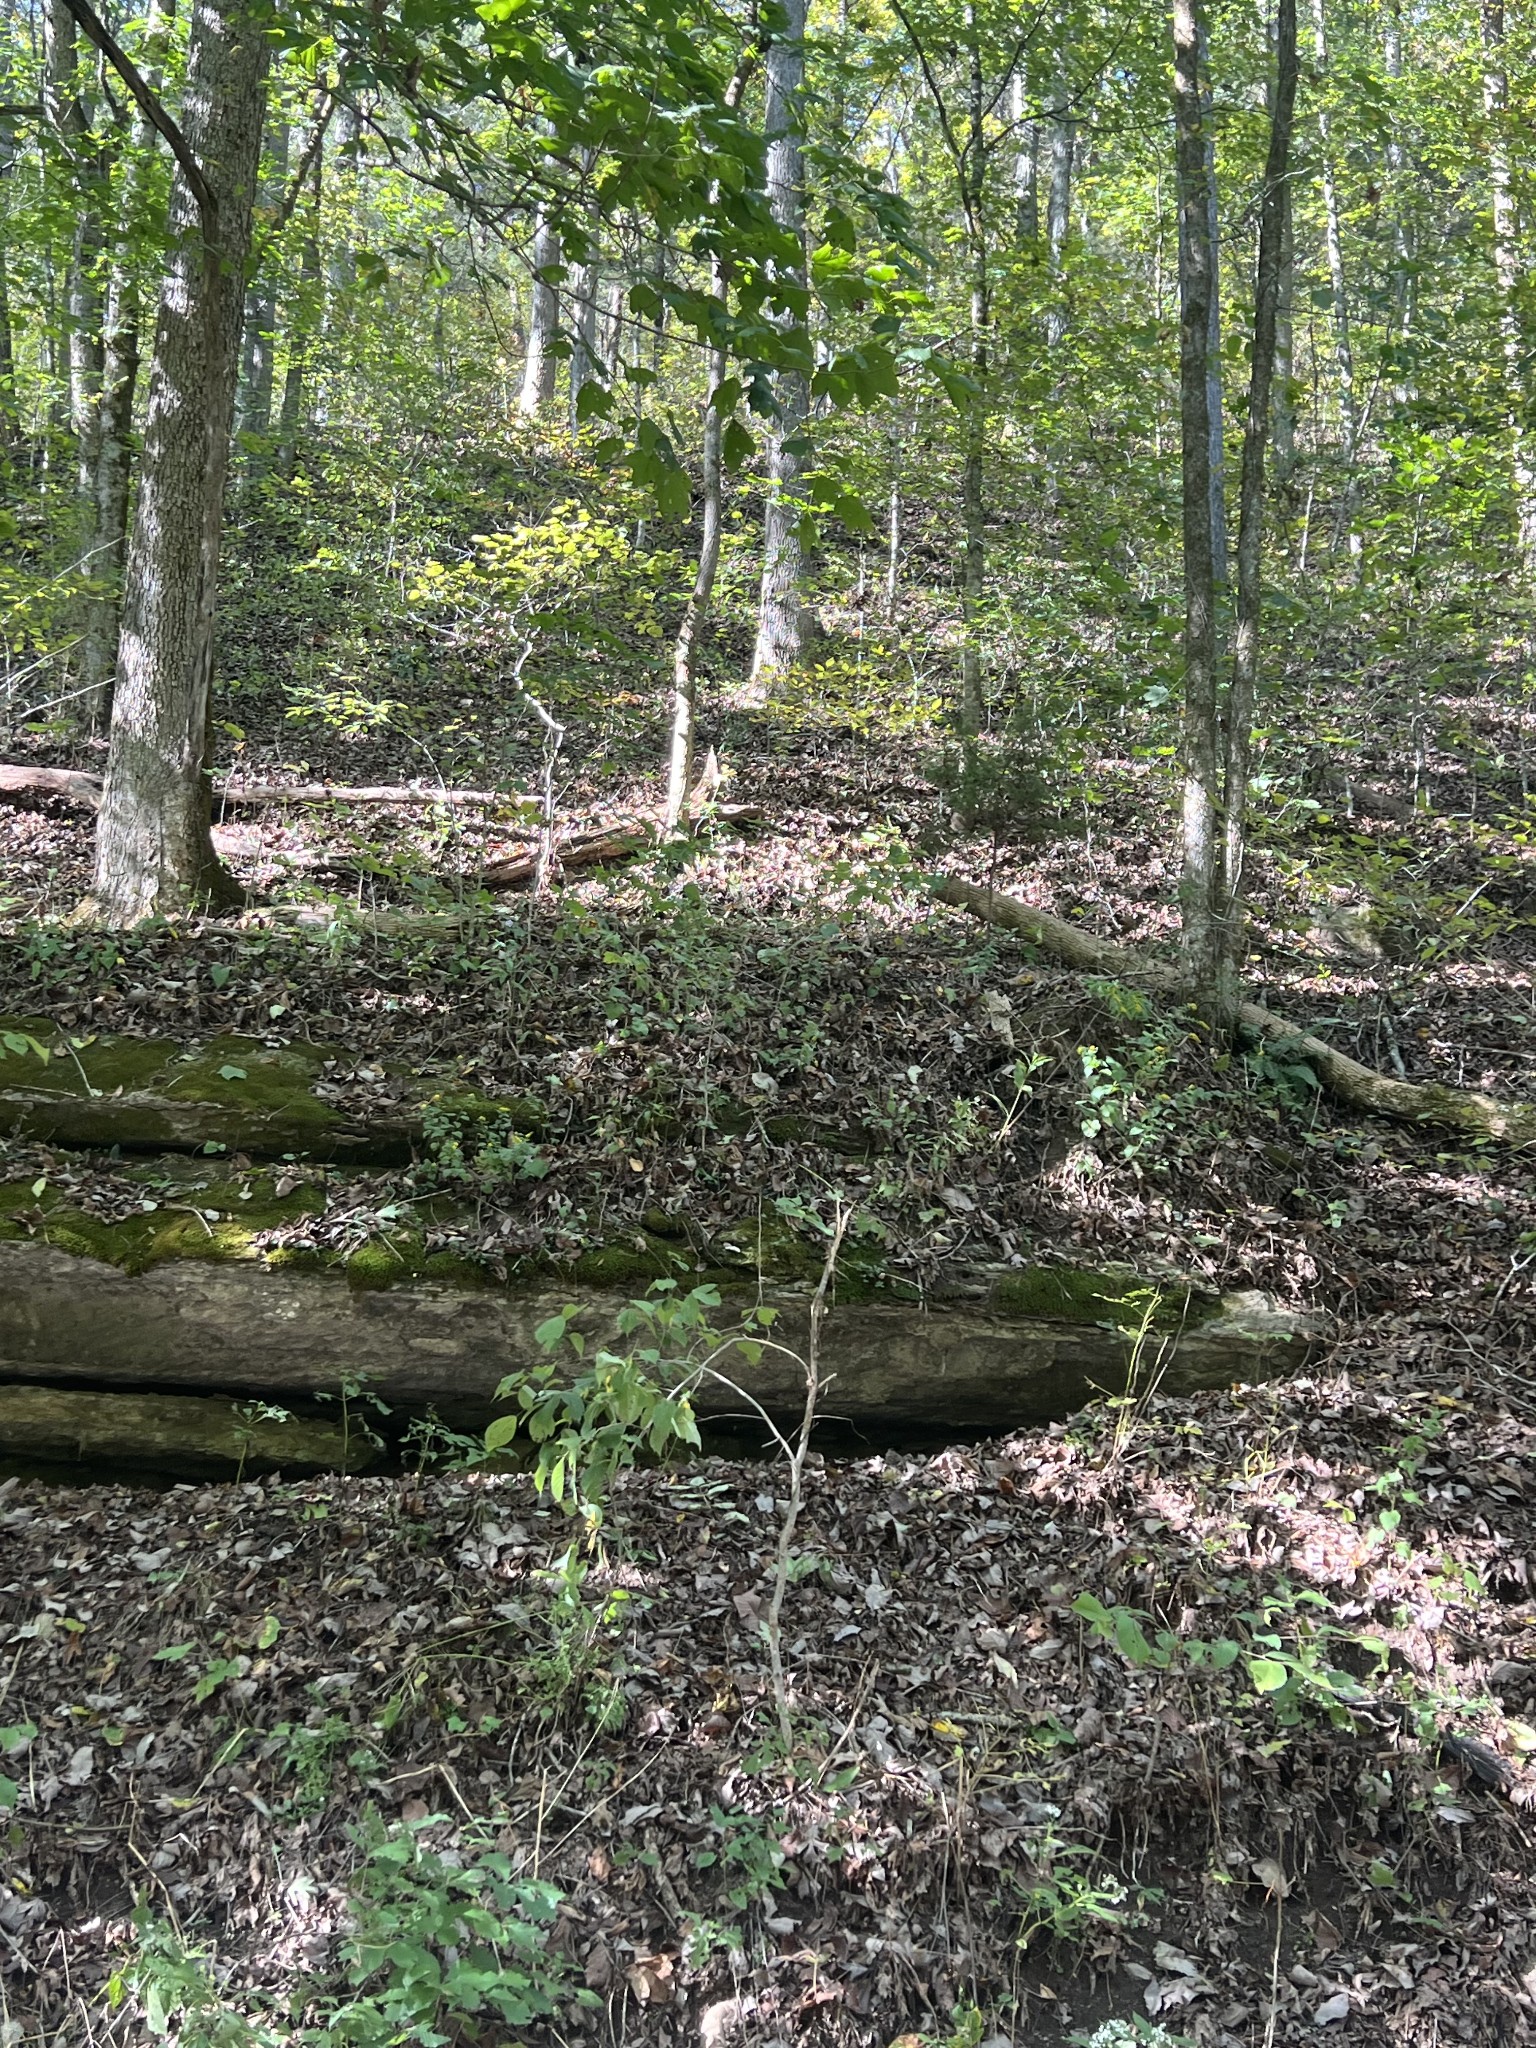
997 1349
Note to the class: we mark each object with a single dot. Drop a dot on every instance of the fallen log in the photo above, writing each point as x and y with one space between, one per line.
231 1094
599 847
75 786
1008 1347
1359 1086
191 1436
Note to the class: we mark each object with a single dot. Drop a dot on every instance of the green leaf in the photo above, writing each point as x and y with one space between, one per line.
1267 1674
232 1074
173 1654
501 1432
271 1628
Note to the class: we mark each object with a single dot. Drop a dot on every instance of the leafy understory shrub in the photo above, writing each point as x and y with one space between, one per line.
1135 2032
434 1941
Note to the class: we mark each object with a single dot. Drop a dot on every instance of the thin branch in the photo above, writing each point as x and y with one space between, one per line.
284 213
154 112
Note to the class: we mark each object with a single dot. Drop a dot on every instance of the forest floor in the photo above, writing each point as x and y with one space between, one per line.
236 1692
1037 1812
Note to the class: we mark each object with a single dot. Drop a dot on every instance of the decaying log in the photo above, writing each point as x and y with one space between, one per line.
20 779
1361 1087
190 1435
621 841
75 787
1007 1350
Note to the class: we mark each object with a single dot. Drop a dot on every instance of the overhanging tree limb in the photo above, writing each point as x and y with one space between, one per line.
153 110
1361 1087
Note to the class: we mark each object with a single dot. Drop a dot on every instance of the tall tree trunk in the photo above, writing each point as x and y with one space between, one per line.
540 362
154 855
1283 411
685 652
613 333
1250 531
1400 196
10 408
1213 396
973 509
119 386
1343 343
302 319
1026 163
70 116
258 367
1201 865
1058 209
584 357
1509 269
780 616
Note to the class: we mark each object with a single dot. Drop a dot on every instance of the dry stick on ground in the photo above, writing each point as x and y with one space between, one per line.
1361 1087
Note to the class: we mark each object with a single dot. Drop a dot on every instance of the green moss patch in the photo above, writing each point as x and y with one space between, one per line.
1117 1296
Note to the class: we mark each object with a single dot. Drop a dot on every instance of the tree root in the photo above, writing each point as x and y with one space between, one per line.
1359 1086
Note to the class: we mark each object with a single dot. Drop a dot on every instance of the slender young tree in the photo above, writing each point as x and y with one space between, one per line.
540 361
258 365
1202 790
1509 265
1267 299
1343 334
119 388
301 320
154 854
780 615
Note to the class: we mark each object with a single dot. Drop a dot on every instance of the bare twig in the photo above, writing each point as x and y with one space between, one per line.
772 1627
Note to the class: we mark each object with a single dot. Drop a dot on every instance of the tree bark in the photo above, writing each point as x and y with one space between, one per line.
1343 341
1361 1087
258 368
10 409
70 116
1509 270
1200 890
1214 407
119 387
154 856
302 317
1250 533
1058 205
539 361
584 356
685 651
1283 412
780 620
973 509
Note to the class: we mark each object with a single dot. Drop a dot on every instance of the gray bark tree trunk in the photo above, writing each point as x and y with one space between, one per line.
154 855
973 508
685 652
1509 270
780 616
10 410
258 367
119 387
1250 531
1058 206
584 356
1343 342
1201 745
1213 394
540 362
302 317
